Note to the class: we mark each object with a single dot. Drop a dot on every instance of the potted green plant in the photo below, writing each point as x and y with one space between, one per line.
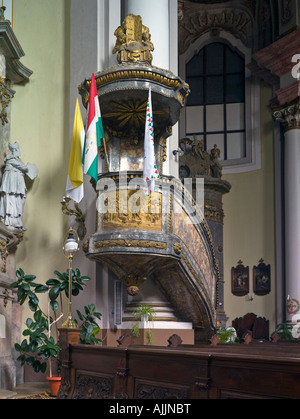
143 313
227 334
284 331
39 345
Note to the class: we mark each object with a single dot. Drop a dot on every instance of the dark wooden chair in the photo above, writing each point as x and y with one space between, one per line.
258 326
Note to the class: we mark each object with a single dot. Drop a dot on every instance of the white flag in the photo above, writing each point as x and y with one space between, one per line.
150 173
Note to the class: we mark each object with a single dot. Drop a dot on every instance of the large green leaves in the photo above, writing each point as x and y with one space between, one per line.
27 288
38 346
89 325
61 284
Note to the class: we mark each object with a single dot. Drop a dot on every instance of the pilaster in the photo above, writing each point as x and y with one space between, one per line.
289 116
12 71
277 65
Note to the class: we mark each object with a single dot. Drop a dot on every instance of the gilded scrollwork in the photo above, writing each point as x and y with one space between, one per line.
177 248
80 219
5 99
132 73
147 244
148 216
3 253
133 41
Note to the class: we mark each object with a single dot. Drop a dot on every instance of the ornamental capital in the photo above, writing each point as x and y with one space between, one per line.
288 115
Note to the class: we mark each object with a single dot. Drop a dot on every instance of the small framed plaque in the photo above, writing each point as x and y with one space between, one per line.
261 278
240 279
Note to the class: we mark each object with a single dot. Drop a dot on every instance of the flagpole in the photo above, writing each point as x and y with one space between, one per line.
105 151
150 171
94 133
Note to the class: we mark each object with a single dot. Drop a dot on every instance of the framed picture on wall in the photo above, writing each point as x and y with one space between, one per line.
261 278
240 279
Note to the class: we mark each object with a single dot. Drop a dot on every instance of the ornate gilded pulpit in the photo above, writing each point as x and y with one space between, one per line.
164 237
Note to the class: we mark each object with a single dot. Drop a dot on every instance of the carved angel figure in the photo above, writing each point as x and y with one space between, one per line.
13 188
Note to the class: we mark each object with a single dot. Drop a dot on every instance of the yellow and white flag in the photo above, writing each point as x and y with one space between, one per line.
74 187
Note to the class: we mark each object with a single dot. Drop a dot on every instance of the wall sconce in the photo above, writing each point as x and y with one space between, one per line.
81 230
289 304
70 249
249 297
178 152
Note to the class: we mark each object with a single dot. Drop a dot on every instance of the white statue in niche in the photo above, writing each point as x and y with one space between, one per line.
13 188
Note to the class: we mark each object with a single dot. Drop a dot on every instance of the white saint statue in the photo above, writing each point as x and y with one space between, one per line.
13 188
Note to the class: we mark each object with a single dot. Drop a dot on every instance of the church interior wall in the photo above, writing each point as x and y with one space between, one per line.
249 224
40 123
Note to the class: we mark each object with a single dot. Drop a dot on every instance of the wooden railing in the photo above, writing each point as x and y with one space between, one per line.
256 370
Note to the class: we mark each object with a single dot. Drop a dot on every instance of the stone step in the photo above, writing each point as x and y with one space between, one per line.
6 394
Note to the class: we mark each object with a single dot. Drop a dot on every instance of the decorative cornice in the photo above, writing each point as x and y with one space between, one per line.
288 115
16 72
289 93
277 57
198 19
147 244
128 72
276 61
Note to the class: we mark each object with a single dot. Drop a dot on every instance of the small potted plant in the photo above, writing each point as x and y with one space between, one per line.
227 334
284 331
144 313
40 344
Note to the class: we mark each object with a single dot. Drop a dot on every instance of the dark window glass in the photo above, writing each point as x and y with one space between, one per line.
196 96
216 75
194 67
214 90
214 60
234 62
235 88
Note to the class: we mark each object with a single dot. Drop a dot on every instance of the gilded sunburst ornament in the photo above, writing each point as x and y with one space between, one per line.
132 112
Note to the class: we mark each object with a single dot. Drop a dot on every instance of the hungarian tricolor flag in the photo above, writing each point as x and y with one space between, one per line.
150 173
74 186
94 134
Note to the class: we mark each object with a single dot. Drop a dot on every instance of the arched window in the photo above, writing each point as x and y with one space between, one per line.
216 105
223 105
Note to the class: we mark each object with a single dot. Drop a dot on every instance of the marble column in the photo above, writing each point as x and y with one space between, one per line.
155 15
276 65
289 116
161 17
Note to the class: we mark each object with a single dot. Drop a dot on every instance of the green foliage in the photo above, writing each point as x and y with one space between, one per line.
27 289
61 284
89 325
144 312
39 346
135 330
225 335
149 337
284 331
